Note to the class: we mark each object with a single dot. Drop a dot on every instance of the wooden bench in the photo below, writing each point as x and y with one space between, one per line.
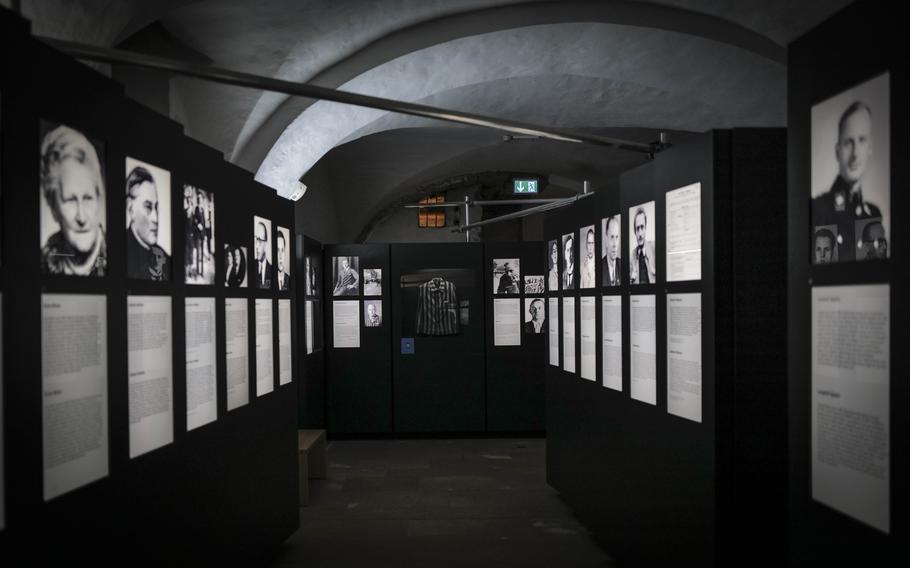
311 460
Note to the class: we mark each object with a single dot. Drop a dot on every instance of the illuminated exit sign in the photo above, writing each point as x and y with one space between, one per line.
525 186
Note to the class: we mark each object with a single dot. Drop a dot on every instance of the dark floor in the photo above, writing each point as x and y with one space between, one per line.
482 502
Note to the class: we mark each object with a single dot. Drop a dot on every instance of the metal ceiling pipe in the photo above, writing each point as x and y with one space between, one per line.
525 212
236 78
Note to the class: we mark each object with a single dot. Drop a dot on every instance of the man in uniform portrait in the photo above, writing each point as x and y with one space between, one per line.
843 204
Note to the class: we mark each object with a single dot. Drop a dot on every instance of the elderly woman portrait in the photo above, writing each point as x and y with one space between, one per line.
73 189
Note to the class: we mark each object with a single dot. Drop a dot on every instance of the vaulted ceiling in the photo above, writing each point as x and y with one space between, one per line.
682 65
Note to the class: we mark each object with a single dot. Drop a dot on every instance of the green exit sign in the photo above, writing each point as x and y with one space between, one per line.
525 186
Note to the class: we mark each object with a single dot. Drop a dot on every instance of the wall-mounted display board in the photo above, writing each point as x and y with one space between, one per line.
514 369
685 411
116 290
847 305
311 387
358 354
437 293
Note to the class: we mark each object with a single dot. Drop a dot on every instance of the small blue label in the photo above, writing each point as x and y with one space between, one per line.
407 345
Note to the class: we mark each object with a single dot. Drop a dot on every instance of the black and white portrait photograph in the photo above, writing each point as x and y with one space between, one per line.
588 263
553 265
199 235
235 266
610 249
506 276
372 282
642 260
346 270
262 239
533 284
312 278
73 212
535 316
148 221
824 244
307 270
372 313
851 173
283 258
568 262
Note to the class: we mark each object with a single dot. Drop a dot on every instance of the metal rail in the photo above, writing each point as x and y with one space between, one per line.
237 78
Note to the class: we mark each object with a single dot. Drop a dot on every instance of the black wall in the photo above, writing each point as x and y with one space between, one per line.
653 487
359 381
822 64
225 490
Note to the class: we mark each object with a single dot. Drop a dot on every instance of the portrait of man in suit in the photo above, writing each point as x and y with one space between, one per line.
643 262
281 250
610 246
263 249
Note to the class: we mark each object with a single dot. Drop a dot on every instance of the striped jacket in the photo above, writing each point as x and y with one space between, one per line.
437 308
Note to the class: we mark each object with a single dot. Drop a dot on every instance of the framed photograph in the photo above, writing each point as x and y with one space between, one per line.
568 262
372 313
588 278
235 266
199 235
534 284
262 237
611 250
850 182
346 270
148 221
73 197
535 316
642 259
506 276
553 266
283 258
372 282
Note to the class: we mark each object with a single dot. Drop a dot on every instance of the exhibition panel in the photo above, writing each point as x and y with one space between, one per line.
134 320
640 436
358 356
311 389
847 387
514 372
438 372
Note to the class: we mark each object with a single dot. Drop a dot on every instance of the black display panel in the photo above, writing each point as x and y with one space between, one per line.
440 386
185 493
358 379
826 80
515 374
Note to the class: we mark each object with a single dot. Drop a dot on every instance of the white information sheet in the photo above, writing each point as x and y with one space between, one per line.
345 323
308 317
643 341
265 366
851 440
684 355
73 390
611 325
553 328
284 342
151 375
506 322
588 332
684 233
201 365
568 334
237 348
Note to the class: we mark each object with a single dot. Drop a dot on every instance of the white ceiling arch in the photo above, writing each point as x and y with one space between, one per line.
646 68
